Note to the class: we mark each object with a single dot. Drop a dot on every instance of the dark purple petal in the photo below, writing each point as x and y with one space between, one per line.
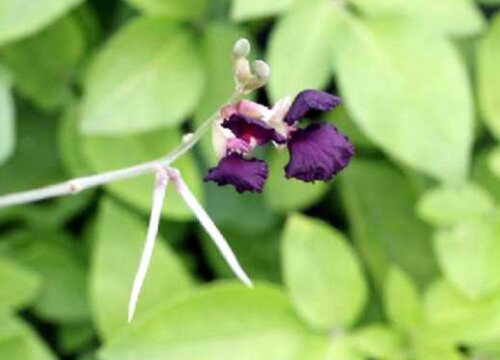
318 152
309 102
243 174
245 128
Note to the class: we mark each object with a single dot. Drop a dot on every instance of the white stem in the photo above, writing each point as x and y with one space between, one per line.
79 184
154 221
209 226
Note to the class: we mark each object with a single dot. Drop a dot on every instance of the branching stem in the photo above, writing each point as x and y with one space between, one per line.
77 185
154 222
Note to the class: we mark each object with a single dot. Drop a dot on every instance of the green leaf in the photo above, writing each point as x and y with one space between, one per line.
91 355
70 143
258 253
19 285
179 9
283 194
483 174
252 9
421 122
7 117
430 350
19 341
118 246
380 203
317 347
73 338
467 47
430 14
35 156
148 76
456 318
336 347
378 341
36 163
341 119
322 274
220 322
469 254
489 2
402 301
487 351
20 18
489 76
87 19
105 153
58 50
54 257
225 206
494 162
299 49
447 206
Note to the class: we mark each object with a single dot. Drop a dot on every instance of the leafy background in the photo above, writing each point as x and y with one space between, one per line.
398 258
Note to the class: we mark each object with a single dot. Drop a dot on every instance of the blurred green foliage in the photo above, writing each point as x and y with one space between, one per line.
397 259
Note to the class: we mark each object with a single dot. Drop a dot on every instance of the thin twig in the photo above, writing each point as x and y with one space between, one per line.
209 226
77 185
154 221
163 176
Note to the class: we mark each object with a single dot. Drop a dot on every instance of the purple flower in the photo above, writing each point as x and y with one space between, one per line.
243 174
310 102
233 169
247 128
318 152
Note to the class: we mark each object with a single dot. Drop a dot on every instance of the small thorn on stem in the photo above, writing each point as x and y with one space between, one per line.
75 187
187 137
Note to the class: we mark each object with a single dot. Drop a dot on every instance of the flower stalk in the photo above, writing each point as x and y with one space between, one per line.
154 222
74 186
245 81
209 226
163 177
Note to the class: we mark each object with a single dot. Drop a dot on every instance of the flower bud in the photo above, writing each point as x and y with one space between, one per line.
242 72
262 70
241 48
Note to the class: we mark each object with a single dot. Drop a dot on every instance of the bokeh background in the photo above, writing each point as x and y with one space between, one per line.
398 258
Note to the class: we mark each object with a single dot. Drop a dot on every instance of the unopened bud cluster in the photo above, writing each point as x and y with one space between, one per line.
248 77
